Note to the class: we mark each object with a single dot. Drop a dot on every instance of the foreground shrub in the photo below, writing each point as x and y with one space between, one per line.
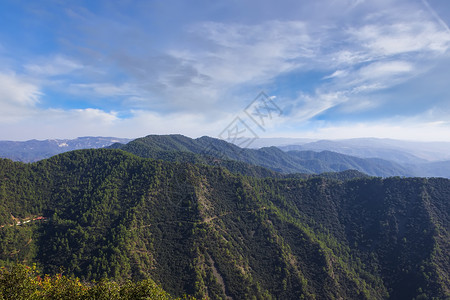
23 282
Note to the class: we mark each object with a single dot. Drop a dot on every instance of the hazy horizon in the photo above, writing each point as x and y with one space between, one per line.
305 140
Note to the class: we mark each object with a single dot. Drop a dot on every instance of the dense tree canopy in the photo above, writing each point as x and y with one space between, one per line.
207 232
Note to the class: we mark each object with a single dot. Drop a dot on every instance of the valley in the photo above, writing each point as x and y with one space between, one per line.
205 231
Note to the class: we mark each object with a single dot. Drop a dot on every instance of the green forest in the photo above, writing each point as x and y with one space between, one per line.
207 150
107 221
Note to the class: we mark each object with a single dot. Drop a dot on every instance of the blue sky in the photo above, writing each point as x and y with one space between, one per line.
335 68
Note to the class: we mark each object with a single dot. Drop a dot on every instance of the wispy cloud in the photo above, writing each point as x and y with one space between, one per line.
435 15
357 57
18 91
18 97
401 38
103 89
53 66
256 52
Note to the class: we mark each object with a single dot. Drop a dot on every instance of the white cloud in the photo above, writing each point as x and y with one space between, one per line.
215 68
385 69
54 123
249 53
358 105
377 76
413 131
371 57
53 66
207 77
307 106
237 54
337 73
104 89
402 37
430 125
58 123
390 48
348 57
97 115
348 87
18 91
18 97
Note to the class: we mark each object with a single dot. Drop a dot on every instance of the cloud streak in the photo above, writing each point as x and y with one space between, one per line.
119 66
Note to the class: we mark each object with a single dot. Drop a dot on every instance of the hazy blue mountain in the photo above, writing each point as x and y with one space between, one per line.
376 157
34 150
388 149
423 159
432 169
159 147
397 156
328 161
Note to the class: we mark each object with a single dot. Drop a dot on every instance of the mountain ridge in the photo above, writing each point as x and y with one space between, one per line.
212 151
268 157
204 231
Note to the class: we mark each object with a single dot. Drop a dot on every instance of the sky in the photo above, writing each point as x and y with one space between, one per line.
324 69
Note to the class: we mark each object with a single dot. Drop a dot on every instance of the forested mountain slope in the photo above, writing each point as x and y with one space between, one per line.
204 231
206 150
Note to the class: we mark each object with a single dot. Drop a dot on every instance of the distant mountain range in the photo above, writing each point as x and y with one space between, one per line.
35 150
424 159
393 150
205 218
204 148
375 157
